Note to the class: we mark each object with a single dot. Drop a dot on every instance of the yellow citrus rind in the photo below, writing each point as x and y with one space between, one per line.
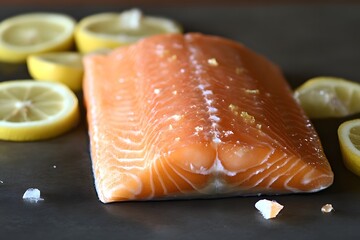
30 33
107 31
63 67
349 139
33 110
324 97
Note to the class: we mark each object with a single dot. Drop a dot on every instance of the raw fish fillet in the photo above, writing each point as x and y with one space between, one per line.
189 116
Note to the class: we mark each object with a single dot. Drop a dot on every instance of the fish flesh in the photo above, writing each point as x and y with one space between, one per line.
192 116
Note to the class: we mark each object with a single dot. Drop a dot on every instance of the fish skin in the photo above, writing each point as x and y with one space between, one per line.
188 116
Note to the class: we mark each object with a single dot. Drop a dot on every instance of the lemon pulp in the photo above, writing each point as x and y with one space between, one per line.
349 138
25 34
111 30
355 136
33 110
323 97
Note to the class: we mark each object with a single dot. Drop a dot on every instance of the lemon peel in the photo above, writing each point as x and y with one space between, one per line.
30 33
349 139
324 97
32 110
63 67
112 30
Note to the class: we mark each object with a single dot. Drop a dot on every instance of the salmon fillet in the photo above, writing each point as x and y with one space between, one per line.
183 116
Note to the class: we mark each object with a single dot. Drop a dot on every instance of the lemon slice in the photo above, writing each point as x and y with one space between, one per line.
32 110
111 30
34 33
64 67
323 97
349 138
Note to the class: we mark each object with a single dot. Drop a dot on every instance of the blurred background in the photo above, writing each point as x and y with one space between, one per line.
49 3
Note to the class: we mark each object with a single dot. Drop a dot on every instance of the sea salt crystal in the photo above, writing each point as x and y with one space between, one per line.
212 109
269 209
216 140
207 92
327 208
131 19
32 195
227 133
199 128
213 62
214 118
176 117
252 91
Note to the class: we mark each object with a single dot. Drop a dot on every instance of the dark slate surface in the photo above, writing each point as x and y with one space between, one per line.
305 41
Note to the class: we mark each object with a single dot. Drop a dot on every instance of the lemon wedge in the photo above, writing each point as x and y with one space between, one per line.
25 34
111 30
32 110
324 97
63 67
349 138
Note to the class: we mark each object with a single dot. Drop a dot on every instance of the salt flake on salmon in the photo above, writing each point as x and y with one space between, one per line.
183 116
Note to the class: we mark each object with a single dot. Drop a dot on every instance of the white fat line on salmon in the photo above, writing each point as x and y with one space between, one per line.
129 141
216 169
315 180
216 183
116 186
266 173
183 177
128 168
175 117
289 188
286 182
294 175
124 158
208 96
306 179
160 178
128 159
263 162
294 163
129 151
269 172
151 181
130 132
168 175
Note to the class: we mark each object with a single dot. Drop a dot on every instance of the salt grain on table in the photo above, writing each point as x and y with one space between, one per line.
327 208
268 209
32 195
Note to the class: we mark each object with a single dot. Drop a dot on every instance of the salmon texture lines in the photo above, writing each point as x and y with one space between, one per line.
195 116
